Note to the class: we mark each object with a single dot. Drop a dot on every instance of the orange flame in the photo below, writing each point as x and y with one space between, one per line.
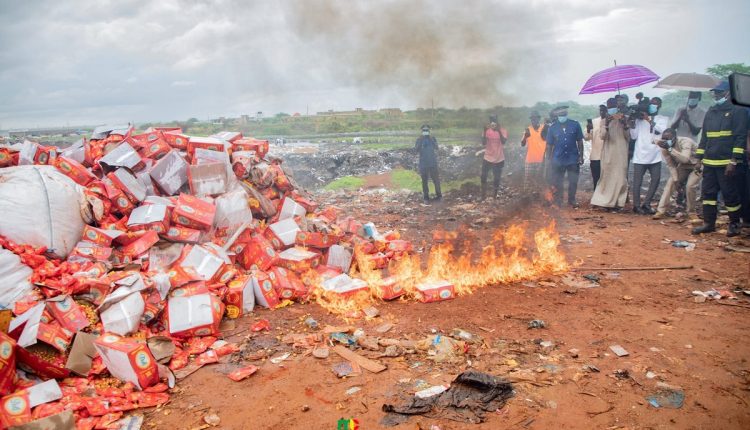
505 260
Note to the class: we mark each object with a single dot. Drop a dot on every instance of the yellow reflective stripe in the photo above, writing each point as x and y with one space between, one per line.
722 133
733 208
738 150
709 202
715 162
700 151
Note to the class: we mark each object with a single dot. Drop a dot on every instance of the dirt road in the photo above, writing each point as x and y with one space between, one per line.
701 348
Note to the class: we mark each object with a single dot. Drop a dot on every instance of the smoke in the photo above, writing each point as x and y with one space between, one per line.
452 53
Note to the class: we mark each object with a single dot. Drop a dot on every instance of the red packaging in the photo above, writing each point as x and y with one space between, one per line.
126 182
67 312
242 373
179 276
208 143
287 284
195 315
207 357
98 236
379 260
74 170
240 297
149 217
193 212
309 205
398 246
435 291
128 360
155 149
120 202
7 363
390 288
265 294
260 147
42 368
199 345
91 252
54 335
178 233
175 139
258 253
6 159
15 409
299 260
316 240
141 245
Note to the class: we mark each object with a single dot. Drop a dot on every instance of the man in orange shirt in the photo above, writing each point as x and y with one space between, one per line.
493 139
534 169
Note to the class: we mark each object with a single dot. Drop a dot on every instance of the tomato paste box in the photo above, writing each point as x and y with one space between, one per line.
206 263
128 184
74 170
54 335
170 173
282 233
210 143
299 260
229 136
7 363
99 236
128 360
178 233
192 212
338 256
67 312
240 298
265 294
87 251
344 285
290 209
141 245
207 179
195 315
390 288
15 409
316 239
149 217
122 156
258 253
435 291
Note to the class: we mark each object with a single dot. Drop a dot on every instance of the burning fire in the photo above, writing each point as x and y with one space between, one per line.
504 260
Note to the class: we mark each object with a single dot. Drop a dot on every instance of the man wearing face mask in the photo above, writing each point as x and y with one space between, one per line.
679 155
647 155
534 167
493 140
565 141
612 191
721 149
687 122
595 134
427 149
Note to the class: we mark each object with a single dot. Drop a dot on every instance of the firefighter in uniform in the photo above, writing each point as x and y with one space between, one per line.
721 148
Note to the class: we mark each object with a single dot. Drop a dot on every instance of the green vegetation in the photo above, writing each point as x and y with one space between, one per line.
345 183
410 180
722 71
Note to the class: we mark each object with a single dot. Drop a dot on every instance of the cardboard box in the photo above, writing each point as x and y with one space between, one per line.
128 184
149 217
240 298
229 136
15 409
67 312
82 354
122 156
291 209
398 246
282 234
141 245
265 294
7 363
54 335
205 156
344 285
207 179
128 360
193 212
435 291
176 139
87 251
124 316
170 173
260 147
156 148
99 236
209 143
258 253
299 260
180 234
197 315
74 170
120 202
390 288
287 285
316 239
338 256
206 264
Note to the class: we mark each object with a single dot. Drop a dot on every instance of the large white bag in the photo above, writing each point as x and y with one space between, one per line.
40 206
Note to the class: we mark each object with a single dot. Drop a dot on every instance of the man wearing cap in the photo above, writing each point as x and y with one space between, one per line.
533 140
427 149
721 148
687 122
565 141
493 140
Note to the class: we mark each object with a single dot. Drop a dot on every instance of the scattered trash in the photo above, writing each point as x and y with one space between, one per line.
590 368
353 390
310 322
618 350
537 324
345 369
320 352
384 328
260 325
547 344
212 419
464 335
650 375
242 373
371 312
666 397
278 359
470 396
592 277
432 391
573 352
305 408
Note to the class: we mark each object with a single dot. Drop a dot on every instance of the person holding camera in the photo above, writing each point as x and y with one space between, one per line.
721 149
427 149
679 155
644 123
687 121
612 191
565 140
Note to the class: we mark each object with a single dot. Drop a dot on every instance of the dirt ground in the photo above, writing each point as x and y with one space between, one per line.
701 348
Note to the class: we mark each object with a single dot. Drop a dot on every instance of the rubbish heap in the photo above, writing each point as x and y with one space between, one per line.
122 254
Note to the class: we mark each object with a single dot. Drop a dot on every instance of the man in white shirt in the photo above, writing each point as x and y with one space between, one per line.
647 155
679 154
595 135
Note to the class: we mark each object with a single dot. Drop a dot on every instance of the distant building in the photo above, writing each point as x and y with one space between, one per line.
355 112
391 112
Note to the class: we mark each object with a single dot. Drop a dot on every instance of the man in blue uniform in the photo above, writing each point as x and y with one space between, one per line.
565 142
721 149
427 149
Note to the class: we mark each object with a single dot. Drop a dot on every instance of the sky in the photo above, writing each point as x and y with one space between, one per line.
80 62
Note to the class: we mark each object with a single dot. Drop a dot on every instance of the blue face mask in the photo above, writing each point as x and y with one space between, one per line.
693 102
612 111
652 109
721 100
669 143
425 133
562 118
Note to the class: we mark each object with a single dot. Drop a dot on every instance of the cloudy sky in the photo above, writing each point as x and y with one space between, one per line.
93 62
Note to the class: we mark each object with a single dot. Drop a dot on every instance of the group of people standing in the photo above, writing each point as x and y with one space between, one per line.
701 149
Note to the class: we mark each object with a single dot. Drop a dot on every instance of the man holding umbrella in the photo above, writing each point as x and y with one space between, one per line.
721 149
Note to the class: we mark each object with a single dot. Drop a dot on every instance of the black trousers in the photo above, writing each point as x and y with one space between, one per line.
742 179
714 180
558 174
596 171
427 173
497 171
639 171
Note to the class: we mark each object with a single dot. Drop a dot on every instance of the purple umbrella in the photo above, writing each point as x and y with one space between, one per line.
618 78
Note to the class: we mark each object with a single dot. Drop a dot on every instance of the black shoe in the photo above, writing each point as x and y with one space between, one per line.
733 229
705 228
637 211
427 201
438 199
647 210
574 205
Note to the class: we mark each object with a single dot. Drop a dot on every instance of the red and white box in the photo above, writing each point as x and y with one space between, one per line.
344 285
124 316
149 217
209 143
258 253
260 147
7 363
15 409
178 233
291 209
282 234
398 246
87 251
122 156
176 139
128 360
206 263
74 170
128 184
299 260
435 291
141 245
316 239
67 312
170 173
390 288
287 284
338 256
99 236
207 179
229 136
195 315
192 212
265 294
55 335
240 298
